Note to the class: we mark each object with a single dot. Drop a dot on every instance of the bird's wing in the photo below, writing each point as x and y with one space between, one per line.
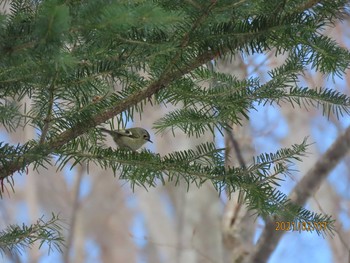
105 130
126 132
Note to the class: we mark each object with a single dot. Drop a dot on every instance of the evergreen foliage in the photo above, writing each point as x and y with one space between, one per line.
66 57
15 239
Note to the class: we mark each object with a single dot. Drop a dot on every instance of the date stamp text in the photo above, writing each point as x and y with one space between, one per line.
300 226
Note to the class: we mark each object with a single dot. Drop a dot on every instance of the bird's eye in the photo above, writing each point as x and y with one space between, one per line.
127 132
145 136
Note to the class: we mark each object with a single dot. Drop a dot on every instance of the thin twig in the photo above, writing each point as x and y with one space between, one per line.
47 119
75 211
237 149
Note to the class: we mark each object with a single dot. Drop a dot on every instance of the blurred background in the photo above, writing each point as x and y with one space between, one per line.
105 221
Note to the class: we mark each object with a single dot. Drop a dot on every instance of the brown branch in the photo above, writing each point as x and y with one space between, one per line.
307 5
47 120
307 186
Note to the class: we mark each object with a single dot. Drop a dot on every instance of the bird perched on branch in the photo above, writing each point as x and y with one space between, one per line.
131 139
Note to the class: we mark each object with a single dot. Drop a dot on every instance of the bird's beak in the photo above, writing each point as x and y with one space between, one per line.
150 140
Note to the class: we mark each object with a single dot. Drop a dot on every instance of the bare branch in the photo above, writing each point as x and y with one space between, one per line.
307 186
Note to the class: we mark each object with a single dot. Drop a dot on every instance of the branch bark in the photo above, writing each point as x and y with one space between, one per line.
307 186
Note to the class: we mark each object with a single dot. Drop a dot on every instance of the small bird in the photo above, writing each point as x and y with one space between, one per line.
131 139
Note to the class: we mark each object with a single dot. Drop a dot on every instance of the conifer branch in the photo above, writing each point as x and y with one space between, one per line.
55 143
17 238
